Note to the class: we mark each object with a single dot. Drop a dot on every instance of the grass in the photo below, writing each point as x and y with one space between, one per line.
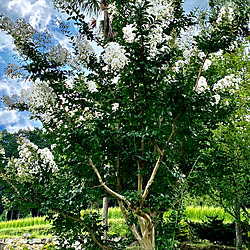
117 225
36 231
27 222
198 214
193 213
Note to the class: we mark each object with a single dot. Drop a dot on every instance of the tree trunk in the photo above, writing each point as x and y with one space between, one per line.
148 234
107 30
238 229
105 216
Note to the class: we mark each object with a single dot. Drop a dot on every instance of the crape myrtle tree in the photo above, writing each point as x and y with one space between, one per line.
130 120
223 169
9 143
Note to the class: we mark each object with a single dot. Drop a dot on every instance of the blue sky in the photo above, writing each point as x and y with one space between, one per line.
41 15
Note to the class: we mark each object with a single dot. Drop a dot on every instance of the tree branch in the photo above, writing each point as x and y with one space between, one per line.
199 75
131 226
88 229
110 191
161 154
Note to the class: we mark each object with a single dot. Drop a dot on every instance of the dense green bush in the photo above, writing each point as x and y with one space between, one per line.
118 227
215 230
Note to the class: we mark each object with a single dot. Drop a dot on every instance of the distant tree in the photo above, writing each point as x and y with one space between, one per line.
9 143
224 169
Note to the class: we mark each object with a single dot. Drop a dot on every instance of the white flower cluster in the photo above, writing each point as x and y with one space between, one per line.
156 37
162 10
163 13
2 155
207 64
32 161
228 82
2 151
226 14
187 54
14 71
186 40
187 43
178 65
39 96
128 33
83 50
202 85
19 30
47 159
112 10
115 106
59 55
92 87
114 55
216 99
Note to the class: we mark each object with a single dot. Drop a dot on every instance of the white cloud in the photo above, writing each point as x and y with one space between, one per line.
2 60
11 87
6 42
8 117
23 124
12 120
38 13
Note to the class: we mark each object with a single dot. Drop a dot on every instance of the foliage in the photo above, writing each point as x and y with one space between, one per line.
172 231
216 231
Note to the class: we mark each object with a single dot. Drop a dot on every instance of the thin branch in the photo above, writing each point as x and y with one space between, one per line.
172 132
160 120
88 229
110 191
200 71
161 154
152 177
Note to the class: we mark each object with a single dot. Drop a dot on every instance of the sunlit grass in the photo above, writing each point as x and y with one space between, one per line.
27 222
202 213
117 226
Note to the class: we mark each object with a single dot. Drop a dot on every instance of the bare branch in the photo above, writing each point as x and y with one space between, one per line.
110 191
131 226
152 177
199 75
161 154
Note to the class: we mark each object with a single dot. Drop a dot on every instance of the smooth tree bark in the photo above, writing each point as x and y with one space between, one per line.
238 229
105 216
